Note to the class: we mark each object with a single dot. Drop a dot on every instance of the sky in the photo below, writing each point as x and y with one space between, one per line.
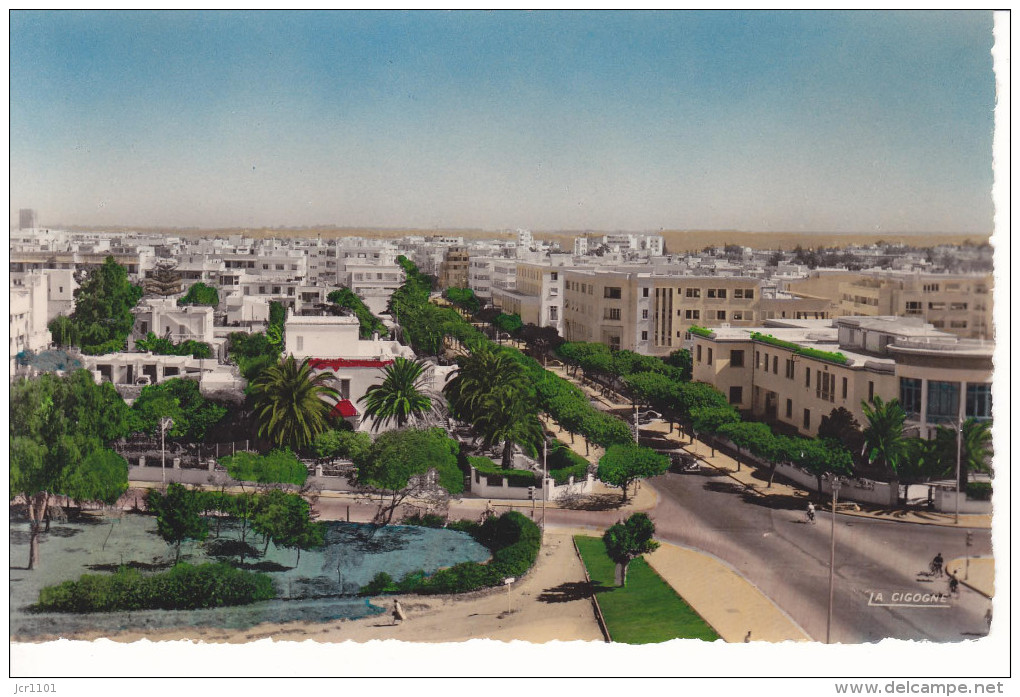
761 121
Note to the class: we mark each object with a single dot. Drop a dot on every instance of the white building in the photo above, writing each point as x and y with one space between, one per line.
333 343
28 302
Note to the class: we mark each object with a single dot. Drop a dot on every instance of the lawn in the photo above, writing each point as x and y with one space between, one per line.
647 610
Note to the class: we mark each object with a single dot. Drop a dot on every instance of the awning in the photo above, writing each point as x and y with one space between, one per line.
344 409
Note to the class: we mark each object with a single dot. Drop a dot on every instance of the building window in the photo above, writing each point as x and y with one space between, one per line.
789 369
555 276
692 314
737 316
844 387
709 356
554 313
694 292
644 292
979 401
720 314
697 352
807 419
807 377
910 396
737 359
711 292
943 401
300 340
644 314
345 389
613 293
644 336
614 343
757 359
775 365
612 313
789 408
871 391
914 308
736 394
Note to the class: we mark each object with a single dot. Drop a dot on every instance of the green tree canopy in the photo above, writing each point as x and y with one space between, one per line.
398 464
628 540
102 319
278 467
178 516
200 294
165 347
347 299
884 442
181 400
623 464
285 519
337 443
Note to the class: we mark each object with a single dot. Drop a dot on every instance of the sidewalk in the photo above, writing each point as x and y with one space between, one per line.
979 575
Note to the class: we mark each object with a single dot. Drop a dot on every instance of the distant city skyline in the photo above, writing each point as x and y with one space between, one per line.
831 122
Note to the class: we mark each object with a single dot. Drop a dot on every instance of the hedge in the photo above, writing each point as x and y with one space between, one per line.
700 331
513 539
564 463
981 491
513 477
833 356
184 587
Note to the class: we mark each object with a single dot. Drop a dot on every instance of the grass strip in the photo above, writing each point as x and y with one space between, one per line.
647 610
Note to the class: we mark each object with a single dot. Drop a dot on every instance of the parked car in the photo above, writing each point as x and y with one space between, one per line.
680 462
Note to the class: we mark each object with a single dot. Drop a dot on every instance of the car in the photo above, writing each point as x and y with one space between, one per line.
143 380
680 462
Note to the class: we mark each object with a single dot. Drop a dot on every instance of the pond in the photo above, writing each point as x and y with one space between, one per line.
321 587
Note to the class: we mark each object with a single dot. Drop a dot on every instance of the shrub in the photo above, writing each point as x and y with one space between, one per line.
981 491
513 477
564 463
278 467
700 331
184 587
513 539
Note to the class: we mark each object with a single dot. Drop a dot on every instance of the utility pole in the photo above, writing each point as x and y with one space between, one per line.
637 428
832 559
545 475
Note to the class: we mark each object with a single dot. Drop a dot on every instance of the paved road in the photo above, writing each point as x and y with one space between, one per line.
789 560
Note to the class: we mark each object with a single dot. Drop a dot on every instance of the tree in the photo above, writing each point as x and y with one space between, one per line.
291 404
181 400
884 442
682 360
821 458
841 426
975 448
346 299
411 462
491 391
402 397
623 464
540 340
200 294
511 324
285 519
463 298
164 346
59 427
102 319
628 540
178 516
337 443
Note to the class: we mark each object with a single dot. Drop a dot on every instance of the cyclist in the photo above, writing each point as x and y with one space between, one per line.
811 512
936 565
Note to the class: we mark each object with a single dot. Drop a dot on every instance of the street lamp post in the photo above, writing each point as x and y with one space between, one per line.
164 423
959 448
832 558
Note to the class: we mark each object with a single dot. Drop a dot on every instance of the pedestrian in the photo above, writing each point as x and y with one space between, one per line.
988 619
398 612
747 638
954 585
811 512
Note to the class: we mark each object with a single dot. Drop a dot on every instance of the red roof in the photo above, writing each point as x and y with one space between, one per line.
336 363
344 409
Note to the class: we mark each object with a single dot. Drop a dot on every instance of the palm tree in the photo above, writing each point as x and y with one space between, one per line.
884 443
403 395
291 403
975 448
491 392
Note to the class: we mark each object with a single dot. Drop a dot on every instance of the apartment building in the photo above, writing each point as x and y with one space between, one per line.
453 271
960 304
795 372
537 297
28 314
650 313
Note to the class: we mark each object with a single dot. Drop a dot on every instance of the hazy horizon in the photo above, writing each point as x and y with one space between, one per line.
757 122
